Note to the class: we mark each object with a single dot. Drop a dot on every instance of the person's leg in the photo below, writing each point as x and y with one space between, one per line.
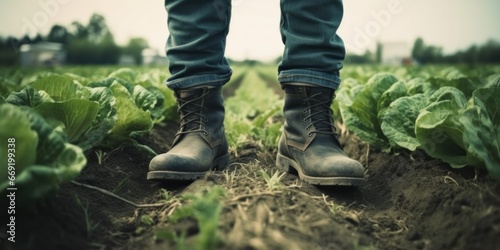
313 50
309 74
196 44
195 49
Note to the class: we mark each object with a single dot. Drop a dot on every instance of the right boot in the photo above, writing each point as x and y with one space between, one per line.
200 144
309 143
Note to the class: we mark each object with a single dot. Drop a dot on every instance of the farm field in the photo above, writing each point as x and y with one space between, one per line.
418 134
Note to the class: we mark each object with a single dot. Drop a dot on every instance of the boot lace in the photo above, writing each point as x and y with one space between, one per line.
192 118
321 116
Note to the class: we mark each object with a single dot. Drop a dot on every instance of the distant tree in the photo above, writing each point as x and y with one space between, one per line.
489 52
426 54
79 31
471 55
24 40
59 34
85 44
92 44
366 58
38 38
135 47
97 28
378 53
108 51
418 48
8 55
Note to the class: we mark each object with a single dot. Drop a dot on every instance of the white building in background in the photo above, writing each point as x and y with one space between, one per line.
126 60
395 53
152 57
42 54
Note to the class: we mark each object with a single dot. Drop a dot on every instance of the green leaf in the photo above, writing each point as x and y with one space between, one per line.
452 73
438 129
143 98
130 119
29 97
7 86
465 84
95 135
205 207
396 91
163 235
76 115
449 93
126 74
361 116
482 131
166 105
119 90
51 139
37 181
106 100
493 81
398 122
61 88
420 86
105 120
16 126
110 81
70 163
161 107
345 95
43 158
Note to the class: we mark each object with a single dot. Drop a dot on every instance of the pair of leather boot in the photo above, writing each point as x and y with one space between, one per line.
308 145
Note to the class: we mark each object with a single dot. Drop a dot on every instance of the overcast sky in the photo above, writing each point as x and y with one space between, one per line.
254 31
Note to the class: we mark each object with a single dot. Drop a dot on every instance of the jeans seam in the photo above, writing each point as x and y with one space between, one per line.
310 76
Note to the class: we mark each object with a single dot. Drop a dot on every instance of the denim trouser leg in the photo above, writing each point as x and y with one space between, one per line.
313 50
196 44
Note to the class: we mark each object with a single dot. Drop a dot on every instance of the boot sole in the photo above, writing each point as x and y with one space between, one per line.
220 164
286 164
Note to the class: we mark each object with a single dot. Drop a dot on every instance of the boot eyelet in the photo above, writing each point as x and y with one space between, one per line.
305 120
310 134
205 133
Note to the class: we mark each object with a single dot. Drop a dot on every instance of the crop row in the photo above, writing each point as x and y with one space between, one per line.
454 118
54 119
252 113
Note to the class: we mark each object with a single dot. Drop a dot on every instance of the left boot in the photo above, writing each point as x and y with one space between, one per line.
309 142
200 144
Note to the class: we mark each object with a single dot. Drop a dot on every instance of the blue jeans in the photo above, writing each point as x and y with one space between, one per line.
198 29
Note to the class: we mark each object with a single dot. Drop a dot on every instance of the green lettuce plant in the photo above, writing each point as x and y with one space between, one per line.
86 114
438 128
362 115
451 117
43 157
482 136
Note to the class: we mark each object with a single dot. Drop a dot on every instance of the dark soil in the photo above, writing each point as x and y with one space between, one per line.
409 201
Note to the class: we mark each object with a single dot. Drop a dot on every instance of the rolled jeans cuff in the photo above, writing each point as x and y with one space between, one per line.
213 80
312 77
